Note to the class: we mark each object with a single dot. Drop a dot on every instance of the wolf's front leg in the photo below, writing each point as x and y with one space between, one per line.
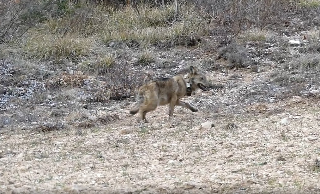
173 101
186 105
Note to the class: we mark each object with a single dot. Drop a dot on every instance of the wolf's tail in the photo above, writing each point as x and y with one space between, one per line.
139 99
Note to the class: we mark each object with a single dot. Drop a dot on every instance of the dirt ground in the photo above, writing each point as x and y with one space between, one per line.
272 148
257 129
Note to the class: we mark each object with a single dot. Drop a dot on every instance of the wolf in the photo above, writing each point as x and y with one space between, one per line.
169 91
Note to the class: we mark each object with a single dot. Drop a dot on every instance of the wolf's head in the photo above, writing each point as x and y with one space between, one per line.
197 79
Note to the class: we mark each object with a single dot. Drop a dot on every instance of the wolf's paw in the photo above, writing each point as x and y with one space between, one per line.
194 109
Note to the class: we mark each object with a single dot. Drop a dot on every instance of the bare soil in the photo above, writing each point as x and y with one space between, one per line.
257 130
272 149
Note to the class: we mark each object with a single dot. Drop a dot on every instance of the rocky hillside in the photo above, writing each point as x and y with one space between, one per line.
67 84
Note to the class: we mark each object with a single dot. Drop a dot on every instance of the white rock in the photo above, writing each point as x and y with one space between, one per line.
284 121
294 42
314 92
207 125
296 99
312 138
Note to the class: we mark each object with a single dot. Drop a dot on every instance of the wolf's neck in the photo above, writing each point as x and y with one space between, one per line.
188 87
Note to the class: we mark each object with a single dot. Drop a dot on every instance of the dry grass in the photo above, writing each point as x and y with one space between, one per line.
78 142
145 58
309 3
152 25
275 153
99 65
73 37
257 35
53 47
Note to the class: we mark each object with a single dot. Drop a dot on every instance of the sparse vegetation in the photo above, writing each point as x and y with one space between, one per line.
255 35
145 59
309 3
52 47
100 66
69 71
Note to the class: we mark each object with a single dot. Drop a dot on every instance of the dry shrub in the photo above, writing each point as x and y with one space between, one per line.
155 26
18 16
236 55
145 58
122 81
119 81
99 66
234 16
66 80
52 47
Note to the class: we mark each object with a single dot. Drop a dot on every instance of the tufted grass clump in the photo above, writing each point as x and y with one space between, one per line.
52 47
99 66
152 25
257 35
309 3
308 62
145 58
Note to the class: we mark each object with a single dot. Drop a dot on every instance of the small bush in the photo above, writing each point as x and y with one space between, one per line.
236 55
309 3
313 48
307 62
51 47
145 58
315 166
122 81
153 25
100 66
313 35
254 35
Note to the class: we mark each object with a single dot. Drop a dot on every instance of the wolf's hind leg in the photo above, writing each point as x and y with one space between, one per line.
145 108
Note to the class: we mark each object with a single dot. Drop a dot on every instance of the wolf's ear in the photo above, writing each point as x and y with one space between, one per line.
193 70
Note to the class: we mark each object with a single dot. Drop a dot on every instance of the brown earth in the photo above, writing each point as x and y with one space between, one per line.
272 149
64 130
229 146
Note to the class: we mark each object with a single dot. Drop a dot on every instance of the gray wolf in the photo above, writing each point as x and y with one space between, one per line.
169 91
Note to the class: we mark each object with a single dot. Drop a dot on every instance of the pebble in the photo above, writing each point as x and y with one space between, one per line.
207 125
284 121
294 42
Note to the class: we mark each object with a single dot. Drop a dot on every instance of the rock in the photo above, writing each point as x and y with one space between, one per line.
294 42
284 121
126 131
296 99
281 158
312 138
314 92
207 125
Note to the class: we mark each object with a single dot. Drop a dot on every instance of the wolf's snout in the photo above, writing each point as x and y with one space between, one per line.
203 87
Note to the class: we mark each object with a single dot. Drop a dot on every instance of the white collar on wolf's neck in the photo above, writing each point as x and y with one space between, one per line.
188 82
189 89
